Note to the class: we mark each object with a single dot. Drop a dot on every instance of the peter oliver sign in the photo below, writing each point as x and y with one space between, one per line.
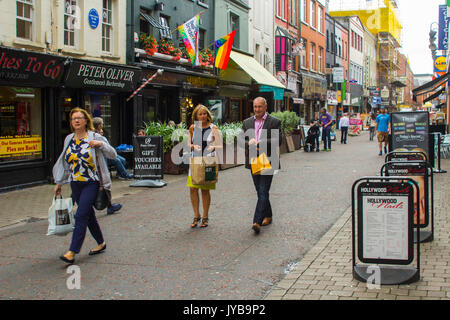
102 76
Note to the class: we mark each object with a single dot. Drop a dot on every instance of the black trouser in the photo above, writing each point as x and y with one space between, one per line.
344 131
263 208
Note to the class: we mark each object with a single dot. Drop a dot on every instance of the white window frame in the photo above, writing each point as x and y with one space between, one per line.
165 33
25 19
320 60
319 19
312 14
107 25
312 57
71 15
303 55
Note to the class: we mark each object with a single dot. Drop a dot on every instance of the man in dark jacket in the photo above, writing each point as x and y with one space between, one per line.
262 134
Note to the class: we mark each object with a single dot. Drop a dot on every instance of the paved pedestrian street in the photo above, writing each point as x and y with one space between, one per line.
152 253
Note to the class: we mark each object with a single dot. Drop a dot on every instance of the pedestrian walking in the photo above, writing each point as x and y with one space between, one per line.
79 164
383 127
98 126
344 123
372 123
252 136
326 121
204 139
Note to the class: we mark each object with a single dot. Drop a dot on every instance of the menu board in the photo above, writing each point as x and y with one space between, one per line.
410 131
418 172
385 233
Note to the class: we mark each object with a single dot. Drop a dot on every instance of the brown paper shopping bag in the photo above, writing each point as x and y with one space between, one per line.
204 170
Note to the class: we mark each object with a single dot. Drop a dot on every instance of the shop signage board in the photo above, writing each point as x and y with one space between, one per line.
19 146
86 74
148 157
338 75
385 230
440 65
443 28
410 131
20 67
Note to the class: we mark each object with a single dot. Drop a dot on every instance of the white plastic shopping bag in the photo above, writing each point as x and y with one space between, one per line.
60 217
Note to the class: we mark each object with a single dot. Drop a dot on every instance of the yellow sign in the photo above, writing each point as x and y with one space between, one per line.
339 96
440 64
16 147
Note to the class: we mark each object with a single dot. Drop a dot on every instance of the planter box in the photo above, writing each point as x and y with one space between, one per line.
225 163
290 143
297 140
169 167
283 147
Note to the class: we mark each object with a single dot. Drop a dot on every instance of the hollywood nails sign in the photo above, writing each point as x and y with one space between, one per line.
108 77
23 67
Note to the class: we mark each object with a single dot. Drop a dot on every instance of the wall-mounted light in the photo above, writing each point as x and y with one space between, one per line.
159 6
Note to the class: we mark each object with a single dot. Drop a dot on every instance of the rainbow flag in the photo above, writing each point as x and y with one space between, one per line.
223 49
189 33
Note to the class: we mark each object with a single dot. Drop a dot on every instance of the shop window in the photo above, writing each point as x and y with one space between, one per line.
107 26
24 20
99 105
20 124
235 110
215 106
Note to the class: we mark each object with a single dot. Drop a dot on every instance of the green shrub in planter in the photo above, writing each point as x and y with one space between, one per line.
229 132
289 121
171 135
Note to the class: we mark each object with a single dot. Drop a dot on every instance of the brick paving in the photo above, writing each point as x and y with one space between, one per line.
325 272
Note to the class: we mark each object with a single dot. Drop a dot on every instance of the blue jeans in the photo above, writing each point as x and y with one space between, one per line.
263 208
326 137
120 163
84 194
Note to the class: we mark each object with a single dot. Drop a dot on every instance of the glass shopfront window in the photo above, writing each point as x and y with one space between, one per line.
235 110
20 124
99 105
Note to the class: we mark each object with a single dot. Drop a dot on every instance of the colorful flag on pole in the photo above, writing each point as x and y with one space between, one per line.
223 49
189 33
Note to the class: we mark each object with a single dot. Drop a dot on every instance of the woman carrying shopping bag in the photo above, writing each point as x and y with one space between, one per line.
204 140
80 164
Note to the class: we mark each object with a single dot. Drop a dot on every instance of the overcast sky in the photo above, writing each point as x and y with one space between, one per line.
416 17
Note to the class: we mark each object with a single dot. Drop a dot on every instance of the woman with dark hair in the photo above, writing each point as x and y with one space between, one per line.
204 139
82 158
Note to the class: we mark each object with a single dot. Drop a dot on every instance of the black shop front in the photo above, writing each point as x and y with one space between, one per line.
29 83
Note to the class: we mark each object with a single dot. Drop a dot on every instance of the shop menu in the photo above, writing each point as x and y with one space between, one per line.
384 223
148 157
410 131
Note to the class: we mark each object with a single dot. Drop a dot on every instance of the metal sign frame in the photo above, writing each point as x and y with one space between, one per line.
389 274
424 235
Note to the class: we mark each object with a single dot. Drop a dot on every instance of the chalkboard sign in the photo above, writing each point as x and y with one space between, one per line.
410 131
148 157
385 231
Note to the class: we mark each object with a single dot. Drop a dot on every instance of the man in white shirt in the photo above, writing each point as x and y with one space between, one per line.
343 126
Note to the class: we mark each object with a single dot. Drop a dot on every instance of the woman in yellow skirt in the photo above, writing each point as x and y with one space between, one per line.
204 139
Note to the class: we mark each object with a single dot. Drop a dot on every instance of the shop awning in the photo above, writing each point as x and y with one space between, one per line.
284 33
434 96
431 86
256 71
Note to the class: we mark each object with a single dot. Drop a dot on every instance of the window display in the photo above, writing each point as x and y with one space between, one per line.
99 105
20 124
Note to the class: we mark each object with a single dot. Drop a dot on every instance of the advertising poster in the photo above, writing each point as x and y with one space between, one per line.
410 131
148 157
385 223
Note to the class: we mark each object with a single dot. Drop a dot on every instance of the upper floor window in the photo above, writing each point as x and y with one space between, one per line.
234 22
201 38
24 20
281 8
313 16
303 55
165 32
70 21
303 10
293 12
312 57
107 26
144 25
320 19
